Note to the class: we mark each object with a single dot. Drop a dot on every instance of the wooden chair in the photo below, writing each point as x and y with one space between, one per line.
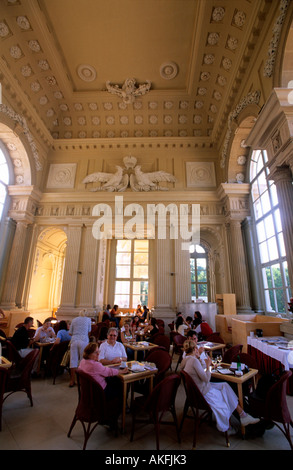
231 352
93 408
200 408
162 340
54 359
178 341
159 402
273 408
19 376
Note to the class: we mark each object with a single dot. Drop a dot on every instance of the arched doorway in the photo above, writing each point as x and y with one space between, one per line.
47 271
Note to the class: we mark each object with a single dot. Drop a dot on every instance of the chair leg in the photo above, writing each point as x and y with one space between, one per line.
72 426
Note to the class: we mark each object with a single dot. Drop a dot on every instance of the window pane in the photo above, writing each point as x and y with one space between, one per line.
141 245
193 291
264 257
123 245
281 244
123 258
3 192
260 229
254 191
267 277
278 220
274 197
201 270
273 249
192 269
265 202
122 271
122 287
141 258
286 273
199 249
270 301
262 182
277 279
269 225
4 175
141 271
280 301
121 300
257 209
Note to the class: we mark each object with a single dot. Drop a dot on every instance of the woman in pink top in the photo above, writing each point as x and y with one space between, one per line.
102 374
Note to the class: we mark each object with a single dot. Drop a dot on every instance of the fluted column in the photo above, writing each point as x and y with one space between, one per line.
14 267
282 177
88 266
182 273
239 267
164 294
71 270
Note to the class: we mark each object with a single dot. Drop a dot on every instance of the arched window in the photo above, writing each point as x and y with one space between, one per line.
4 181
274 268
199 273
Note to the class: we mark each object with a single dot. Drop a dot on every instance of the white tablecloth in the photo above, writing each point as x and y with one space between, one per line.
273 351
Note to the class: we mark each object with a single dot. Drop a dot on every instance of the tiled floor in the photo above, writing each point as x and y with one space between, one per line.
45 425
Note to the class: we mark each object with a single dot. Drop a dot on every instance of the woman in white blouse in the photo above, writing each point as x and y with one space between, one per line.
219 395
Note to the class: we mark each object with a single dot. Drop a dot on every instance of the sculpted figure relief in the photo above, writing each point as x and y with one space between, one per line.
137 180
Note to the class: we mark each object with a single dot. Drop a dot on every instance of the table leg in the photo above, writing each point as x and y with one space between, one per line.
124 407
240 398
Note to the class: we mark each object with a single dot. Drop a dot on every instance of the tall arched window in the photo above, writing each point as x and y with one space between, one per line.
274 268
199 273
4 181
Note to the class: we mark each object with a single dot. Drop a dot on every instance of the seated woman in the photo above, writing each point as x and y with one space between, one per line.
201 327
105 376
113 317
152 328
62 334
181 326
219 395
135 324
111 351
127 335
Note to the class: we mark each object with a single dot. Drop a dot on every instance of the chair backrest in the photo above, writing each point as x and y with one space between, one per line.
3 334
92 401
178 341
12 353
215 338
246 359
163 361
27 363
193 394
56 354
276 408
162 340
231 352
163 395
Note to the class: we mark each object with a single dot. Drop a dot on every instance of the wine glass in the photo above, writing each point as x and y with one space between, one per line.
219 359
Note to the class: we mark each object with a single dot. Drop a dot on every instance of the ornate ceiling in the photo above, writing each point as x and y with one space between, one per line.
59 56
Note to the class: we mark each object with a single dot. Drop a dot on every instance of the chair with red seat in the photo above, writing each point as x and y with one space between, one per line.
19 376
93 408
162 340
200 408
231 352
273 408
160 401
12 353
215 338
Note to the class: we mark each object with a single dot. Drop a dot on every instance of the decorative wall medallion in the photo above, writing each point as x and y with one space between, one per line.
23 22
241 160
61 175
200 174
169 70
4 30
129 91
87 73
240 177
130 176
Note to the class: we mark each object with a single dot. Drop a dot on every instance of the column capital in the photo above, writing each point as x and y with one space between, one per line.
281 174
235 198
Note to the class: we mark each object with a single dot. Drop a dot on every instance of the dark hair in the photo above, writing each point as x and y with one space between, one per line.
108 307
188 318
191 333
179 321
154 321
197 318
63 325
28 319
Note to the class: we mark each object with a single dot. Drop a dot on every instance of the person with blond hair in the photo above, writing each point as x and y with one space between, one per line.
219 395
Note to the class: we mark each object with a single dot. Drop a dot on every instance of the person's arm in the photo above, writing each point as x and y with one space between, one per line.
204 375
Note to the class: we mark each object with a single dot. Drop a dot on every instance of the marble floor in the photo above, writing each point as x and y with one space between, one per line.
45 425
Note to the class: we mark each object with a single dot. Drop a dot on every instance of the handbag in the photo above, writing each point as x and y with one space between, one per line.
66 358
